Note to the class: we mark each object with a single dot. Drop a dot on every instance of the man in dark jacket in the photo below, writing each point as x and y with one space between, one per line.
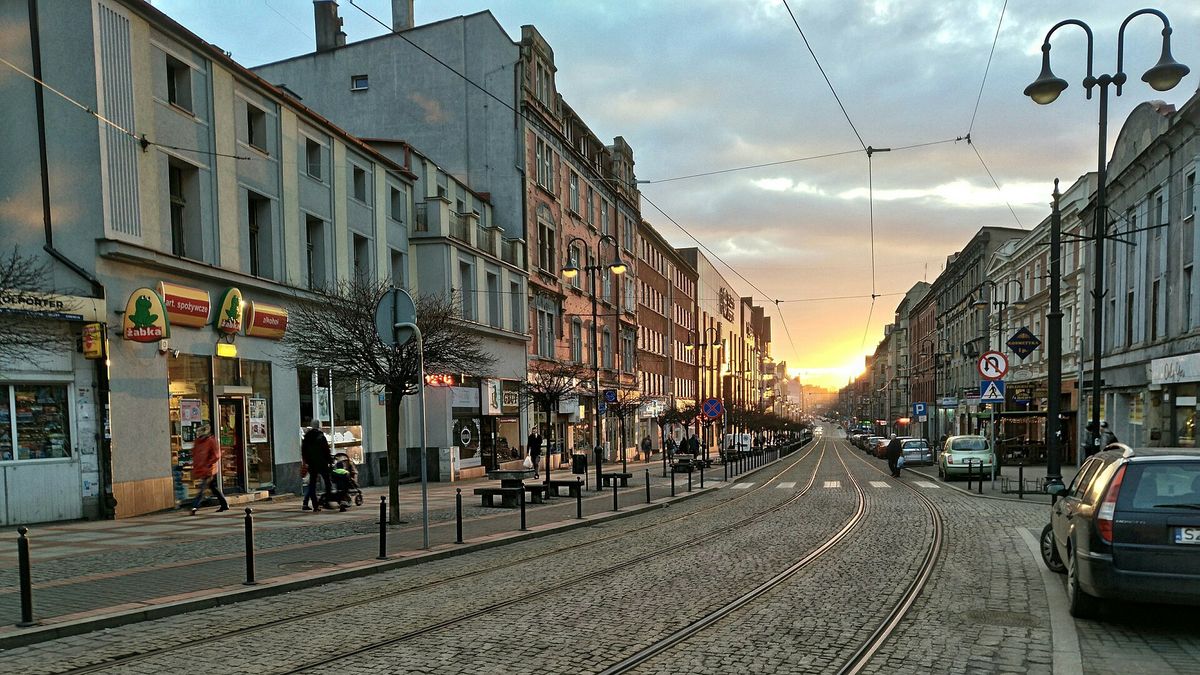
314 450
894 452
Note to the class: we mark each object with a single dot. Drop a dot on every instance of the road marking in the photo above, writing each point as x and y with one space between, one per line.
1064 640
833 483
927 484
741 486
879 484
786 486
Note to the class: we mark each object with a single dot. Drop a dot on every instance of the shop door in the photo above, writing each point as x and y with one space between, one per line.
232 436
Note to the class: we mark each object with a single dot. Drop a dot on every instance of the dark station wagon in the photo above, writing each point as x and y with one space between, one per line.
1128 528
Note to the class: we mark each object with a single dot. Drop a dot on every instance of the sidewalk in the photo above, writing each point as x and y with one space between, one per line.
83 571
1033 476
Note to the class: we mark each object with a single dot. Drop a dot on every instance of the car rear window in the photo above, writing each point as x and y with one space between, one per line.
916 444
1161 485
969 444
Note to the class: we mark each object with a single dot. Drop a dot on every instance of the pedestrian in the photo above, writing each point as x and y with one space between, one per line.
670 447
535 450
206 465
646 448
894 453
314 451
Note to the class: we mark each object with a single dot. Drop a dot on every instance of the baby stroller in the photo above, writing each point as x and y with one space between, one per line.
345 484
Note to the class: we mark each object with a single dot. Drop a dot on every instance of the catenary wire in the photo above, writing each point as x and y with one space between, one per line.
822 69
988 67
974 146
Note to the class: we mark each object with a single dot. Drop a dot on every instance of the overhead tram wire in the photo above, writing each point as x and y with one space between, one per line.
822 69
141 140
988 67
971 143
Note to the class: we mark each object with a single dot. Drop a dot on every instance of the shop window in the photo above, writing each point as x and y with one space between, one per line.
260 455
189 386
34 422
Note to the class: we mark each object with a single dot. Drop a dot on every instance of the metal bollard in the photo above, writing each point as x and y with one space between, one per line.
970 473
701 476
249 548
726 465
981 476
579 499
26 580
689 481
615 506
522 496
458 513
647 486
382 528
1021 480
672 482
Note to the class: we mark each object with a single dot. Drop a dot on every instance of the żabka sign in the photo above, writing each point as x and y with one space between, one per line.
266 321
145 318
228 319
186 306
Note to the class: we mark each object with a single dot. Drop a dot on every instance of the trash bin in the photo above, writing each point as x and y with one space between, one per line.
579 463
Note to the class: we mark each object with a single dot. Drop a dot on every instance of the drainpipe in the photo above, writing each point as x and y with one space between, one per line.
104 445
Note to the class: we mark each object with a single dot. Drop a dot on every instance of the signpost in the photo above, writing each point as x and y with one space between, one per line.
712 408
1023 342
920 411
992 391
992 366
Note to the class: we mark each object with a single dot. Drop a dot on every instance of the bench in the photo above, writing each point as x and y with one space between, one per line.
536 491
607 478
508 496
574 487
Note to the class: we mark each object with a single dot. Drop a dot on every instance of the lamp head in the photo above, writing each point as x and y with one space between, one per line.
1046 88
689 347
978 304
570 271
618 266
1167 72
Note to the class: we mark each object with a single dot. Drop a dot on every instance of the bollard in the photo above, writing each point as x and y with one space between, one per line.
1020 480
615 506
26 580
726 465
970 473
689 480
672 482
647 486
249 548
522 496
458 513
579 499
382 528
701 476
981 476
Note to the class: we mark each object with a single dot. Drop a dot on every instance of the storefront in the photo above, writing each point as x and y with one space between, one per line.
1165 413
500 424
337 402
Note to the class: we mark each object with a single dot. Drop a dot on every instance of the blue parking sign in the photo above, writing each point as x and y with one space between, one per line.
919 409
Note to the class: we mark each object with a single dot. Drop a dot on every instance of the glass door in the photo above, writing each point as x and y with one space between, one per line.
231 433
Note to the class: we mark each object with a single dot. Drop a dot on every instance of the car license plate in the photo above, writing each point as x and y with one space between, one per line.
1187 535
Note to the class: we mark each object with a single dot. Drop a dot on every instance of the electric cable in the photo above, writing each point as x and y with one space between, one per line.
822 69
973 145
987 68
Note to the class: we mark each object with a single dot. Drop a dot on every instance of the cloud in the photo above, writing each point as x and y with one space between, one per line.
959 193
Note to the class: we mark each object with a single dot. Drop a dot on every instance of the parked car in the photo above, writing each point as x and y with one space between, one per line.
879 449
917 452
1128 528
736 444
965 454
868 444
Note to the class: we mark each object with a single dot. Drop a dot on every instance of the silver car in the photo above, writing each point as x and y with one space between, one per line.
916 452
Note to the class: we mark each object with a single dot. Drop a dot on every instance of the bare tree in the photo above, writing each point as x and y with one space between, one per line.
547 386
628 402
335 328
26 287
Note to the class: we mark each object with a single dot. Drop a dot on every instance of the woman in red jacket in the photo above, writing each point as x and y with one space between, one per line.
206 463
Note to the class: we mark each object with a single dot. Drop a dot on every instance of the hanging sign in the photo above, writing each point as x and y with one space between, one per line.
267 321
186 306
92 341
228 319
1023 342
145 318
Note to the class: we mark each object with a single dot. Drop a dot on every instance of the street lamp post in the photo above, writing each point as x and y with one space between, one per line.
705 344
1054 337
1163 76
617 266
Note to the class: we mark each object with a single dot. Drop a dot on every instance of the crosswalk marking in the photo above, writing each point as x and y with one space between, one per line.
879 484
926 484
742 486
833 483
786 485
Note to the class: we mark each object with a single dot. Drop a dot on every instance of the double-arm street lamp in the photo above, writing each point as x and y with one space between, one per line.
1000 304
1163 76
711 338
570 271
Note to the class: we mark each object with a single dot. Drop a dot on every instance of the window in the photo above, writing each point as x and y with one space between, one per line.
628 349
359 178
397 205
256 127
34 422
359 83
631 296
629 234
606 276
314 252
547 244
574 255
259 234
576 341
1189 195
362 258
589 214
179 84
398 275
184 185
574 194
313 157
516 306
1129 317
1187 298
543 157
605 225
466 283
493 292
545 331
606 348
1154 310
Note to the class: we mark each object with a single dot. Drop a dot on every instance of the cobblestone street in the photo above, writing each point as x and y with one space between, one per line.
586 599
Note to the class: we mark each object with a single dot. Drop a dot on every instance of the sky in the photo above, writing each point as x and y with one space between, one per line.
700 86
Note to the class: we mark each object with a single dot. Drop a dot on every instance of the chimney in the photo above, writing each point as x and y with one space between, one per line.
402 15
328 24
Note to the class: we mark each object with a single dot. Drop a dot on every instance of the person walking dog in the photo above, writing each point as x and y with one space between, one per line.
206 464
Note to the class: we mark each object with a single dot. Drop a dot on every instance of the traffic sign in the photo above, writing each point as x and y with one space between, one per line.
602 408
919 409
711 408
395 307
1023 342
992 366
610 395
991 391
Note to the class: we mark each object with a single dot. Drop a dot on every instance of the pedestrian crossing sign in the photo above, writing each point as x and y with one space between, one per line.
991 391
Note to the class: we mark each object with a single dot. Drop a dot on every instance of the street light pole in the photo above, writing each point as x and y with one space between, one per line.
1163 76
1054 337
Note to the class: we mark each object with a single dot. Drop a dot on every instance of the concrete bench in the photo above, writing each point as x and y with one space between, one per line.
536 491
509 497
574 487
607 478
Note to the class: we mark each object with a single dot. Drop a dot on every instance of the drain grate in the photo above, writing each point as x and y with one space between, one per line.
1003 619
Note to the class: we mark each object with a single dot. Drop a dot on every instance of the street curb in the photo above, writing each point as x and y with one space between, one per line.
974 494
37 634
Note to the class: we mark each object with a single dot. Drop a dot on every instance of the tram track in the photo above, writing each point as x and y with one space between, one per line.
121 660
